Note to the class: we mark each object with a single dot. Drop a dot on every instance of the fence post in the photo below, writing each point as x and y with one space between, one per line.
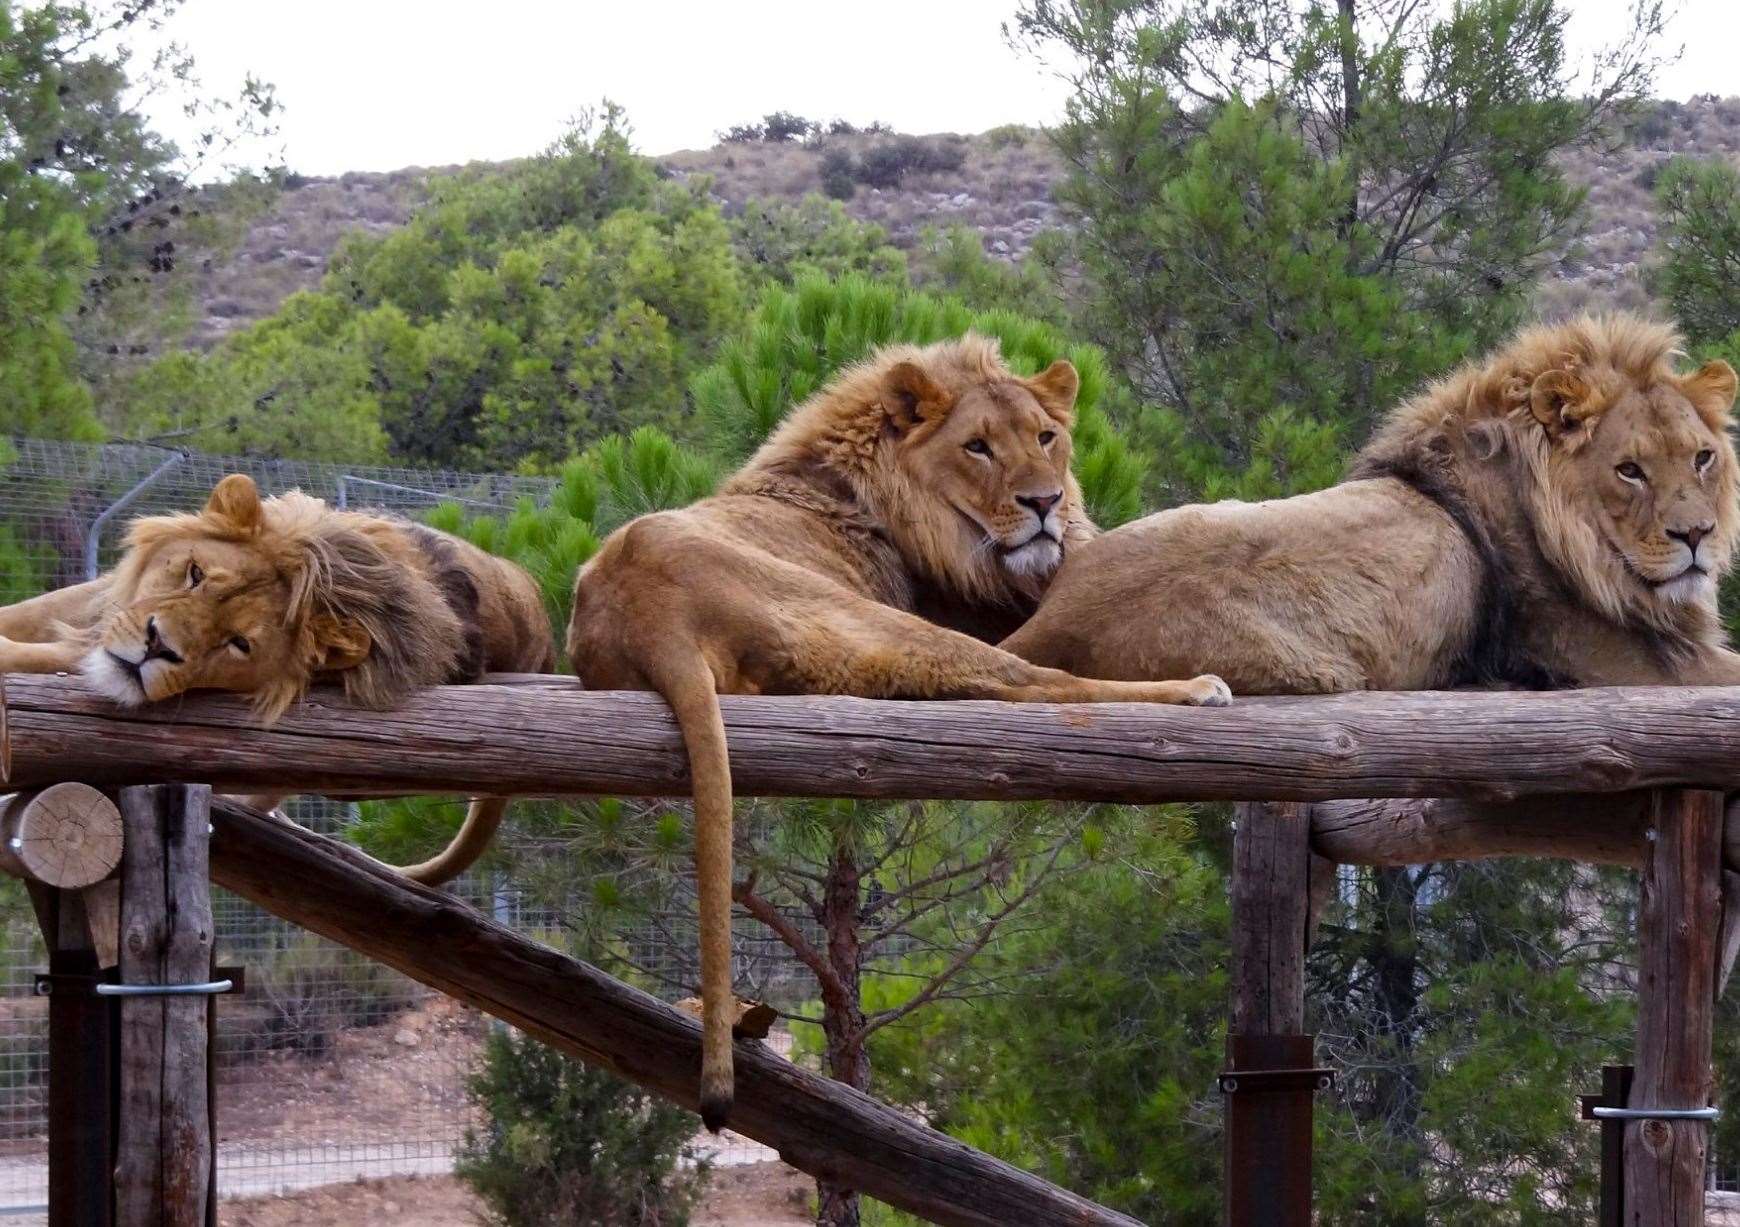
1271 1073
81 1066
163 1164
1679 909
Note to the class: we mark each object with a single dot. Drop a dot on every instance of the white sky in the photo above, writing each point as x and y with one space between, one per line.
381 84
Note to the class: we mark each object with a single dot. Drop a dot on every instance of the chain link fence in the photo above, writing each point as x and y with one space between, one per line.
331 1067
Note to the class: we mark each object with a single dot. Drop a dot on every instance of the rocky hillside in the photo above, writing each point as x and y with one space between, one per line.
999 183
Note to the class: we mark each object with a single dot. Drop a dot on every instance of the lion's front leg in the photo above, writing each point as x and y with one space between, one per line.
856 646
40 657
40 619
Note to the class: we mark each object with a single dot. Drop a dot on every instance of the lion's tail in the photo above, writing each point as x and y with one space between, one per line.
688 686
481 823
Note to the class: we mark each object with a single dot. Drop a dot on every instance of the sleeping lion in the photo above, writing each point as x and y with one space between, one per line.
266 597
928 479
1556 515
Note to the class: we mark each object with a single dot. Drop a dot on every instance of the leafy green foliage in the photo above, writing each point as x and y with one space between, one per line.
564 1144
1349 200
94 202
517 318
839 172
781 242
1094 1064
1699 273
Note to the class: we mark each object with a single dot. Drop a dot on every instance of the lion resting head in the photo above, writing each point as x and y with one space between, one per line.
259 597
965 463
1626 465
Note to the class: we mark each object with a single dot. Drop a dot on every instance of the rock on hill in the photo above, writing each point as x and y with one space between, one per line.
1001 186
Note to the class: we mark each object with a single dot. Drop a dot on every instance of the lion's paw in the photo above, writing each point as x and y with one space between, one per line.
1209 691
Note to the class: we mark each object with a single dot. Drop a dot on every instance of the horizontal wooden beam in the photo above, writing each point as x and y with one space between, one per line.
1606 829
549 736
816 1124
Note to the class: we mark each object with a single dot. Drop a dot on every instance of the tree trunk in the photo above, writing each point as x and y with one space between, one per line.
843 1019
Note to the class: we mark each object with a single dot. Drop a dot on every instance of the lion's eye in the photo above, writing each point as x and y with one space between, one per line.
1702 460
241 644
978 447
1631 471
1046 436
194 575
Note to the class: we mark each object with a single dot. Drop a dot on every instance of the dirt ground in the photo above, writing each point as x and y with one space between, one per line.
757 1195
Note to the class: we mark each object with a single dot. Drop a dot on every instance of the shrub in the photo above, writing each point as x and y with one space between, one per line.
568 1144
1005 135
841 127
741 134
839 174
783 126
886 164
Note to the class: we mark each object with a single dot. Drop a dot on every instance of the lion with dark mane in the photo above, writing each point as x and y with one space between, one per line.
265 597
926 479
1558 514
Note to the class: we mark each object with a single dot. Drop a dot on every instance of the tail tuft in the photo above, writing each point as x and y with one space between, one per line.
715 1109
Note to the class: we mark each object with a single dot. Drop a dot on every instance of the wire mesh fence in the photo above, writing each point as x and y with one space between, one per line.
330 1066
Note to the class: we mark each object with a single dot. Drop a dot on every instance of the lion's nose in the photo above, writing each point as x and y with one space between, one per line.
155 648
1041 504
1692 536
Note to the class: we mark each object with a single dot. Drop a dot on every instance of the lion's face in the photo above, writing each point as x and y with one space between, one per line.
998 457
1653 473
201 603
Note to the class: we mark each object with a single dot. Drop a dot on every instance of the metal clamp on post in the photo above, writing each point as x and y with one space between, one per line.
208 988
1605 1113
1259 1081
230 981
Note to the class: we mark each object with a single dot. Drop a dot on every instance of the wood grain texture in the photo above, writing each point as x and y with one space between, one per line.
551 737
144 938
1678 919
163 1165
187 959
816 1124
1270 918
66 835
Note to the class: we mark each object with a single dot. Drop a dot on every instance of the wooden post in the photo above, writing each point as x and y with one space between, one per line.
163 1165
81 1068
1677 930
1271 1076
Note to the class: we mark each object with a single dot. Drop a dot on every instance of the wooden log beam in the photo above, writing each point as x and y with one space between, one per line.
66 835
816 1124
1678 908
1607 829
551 737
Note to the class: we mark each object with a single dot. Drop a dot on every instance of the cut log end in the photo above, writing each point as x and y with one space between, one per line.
65 835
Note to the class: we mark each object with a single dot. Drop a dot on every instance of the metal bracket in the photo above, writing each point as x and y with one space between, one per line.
1602 1112
205 989
231 980
1270 1081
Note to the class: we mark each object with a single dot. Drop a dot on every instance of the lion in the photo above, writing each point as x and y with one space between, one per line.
1556 515
265 597
928 479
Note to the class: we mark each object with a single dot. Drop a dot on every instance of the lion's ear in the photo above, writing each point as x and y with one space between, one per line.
1564 404
237 500
339 643
1055 388
912 397
1711 389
